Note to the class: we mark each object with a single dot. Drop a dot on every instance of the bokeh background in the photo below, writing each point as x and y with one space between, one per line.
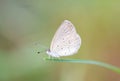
27 26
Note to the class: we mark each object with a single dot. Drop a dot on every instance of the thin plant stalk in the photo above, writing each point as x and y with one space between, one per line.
101 64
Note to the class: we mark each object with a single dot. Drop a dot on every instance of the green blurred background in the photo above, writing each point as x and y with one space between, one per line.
27 26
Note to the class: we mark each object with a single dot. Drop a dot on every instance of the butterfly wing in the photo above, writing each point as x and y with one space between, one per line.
66 40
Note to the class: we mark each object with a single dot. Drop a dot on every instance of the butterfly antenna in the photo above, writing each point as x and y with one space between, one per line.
39 52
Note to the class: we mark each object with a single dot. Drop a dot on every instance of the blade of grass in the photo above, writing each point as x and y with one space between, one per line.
102 64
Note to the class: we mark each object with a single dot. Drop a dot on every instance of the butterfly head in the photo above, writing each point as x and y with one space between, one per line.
50 53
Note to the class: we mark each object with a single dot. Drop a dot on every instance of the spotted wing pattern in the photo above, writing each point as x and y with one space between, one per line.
66 41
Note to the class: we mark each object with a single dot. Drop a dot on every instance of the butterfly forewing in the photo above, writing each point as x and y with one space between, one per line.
65 29
66 41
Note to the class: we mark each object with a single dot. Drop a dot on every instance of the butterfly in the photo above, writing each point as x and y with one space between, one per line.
65 42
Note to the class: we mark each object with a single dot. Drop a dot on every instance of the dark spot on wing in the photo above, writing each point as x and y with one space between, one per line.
69 42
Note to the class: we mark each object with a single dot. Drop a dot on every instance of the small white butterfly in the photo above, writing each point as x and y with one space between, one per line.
65 42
